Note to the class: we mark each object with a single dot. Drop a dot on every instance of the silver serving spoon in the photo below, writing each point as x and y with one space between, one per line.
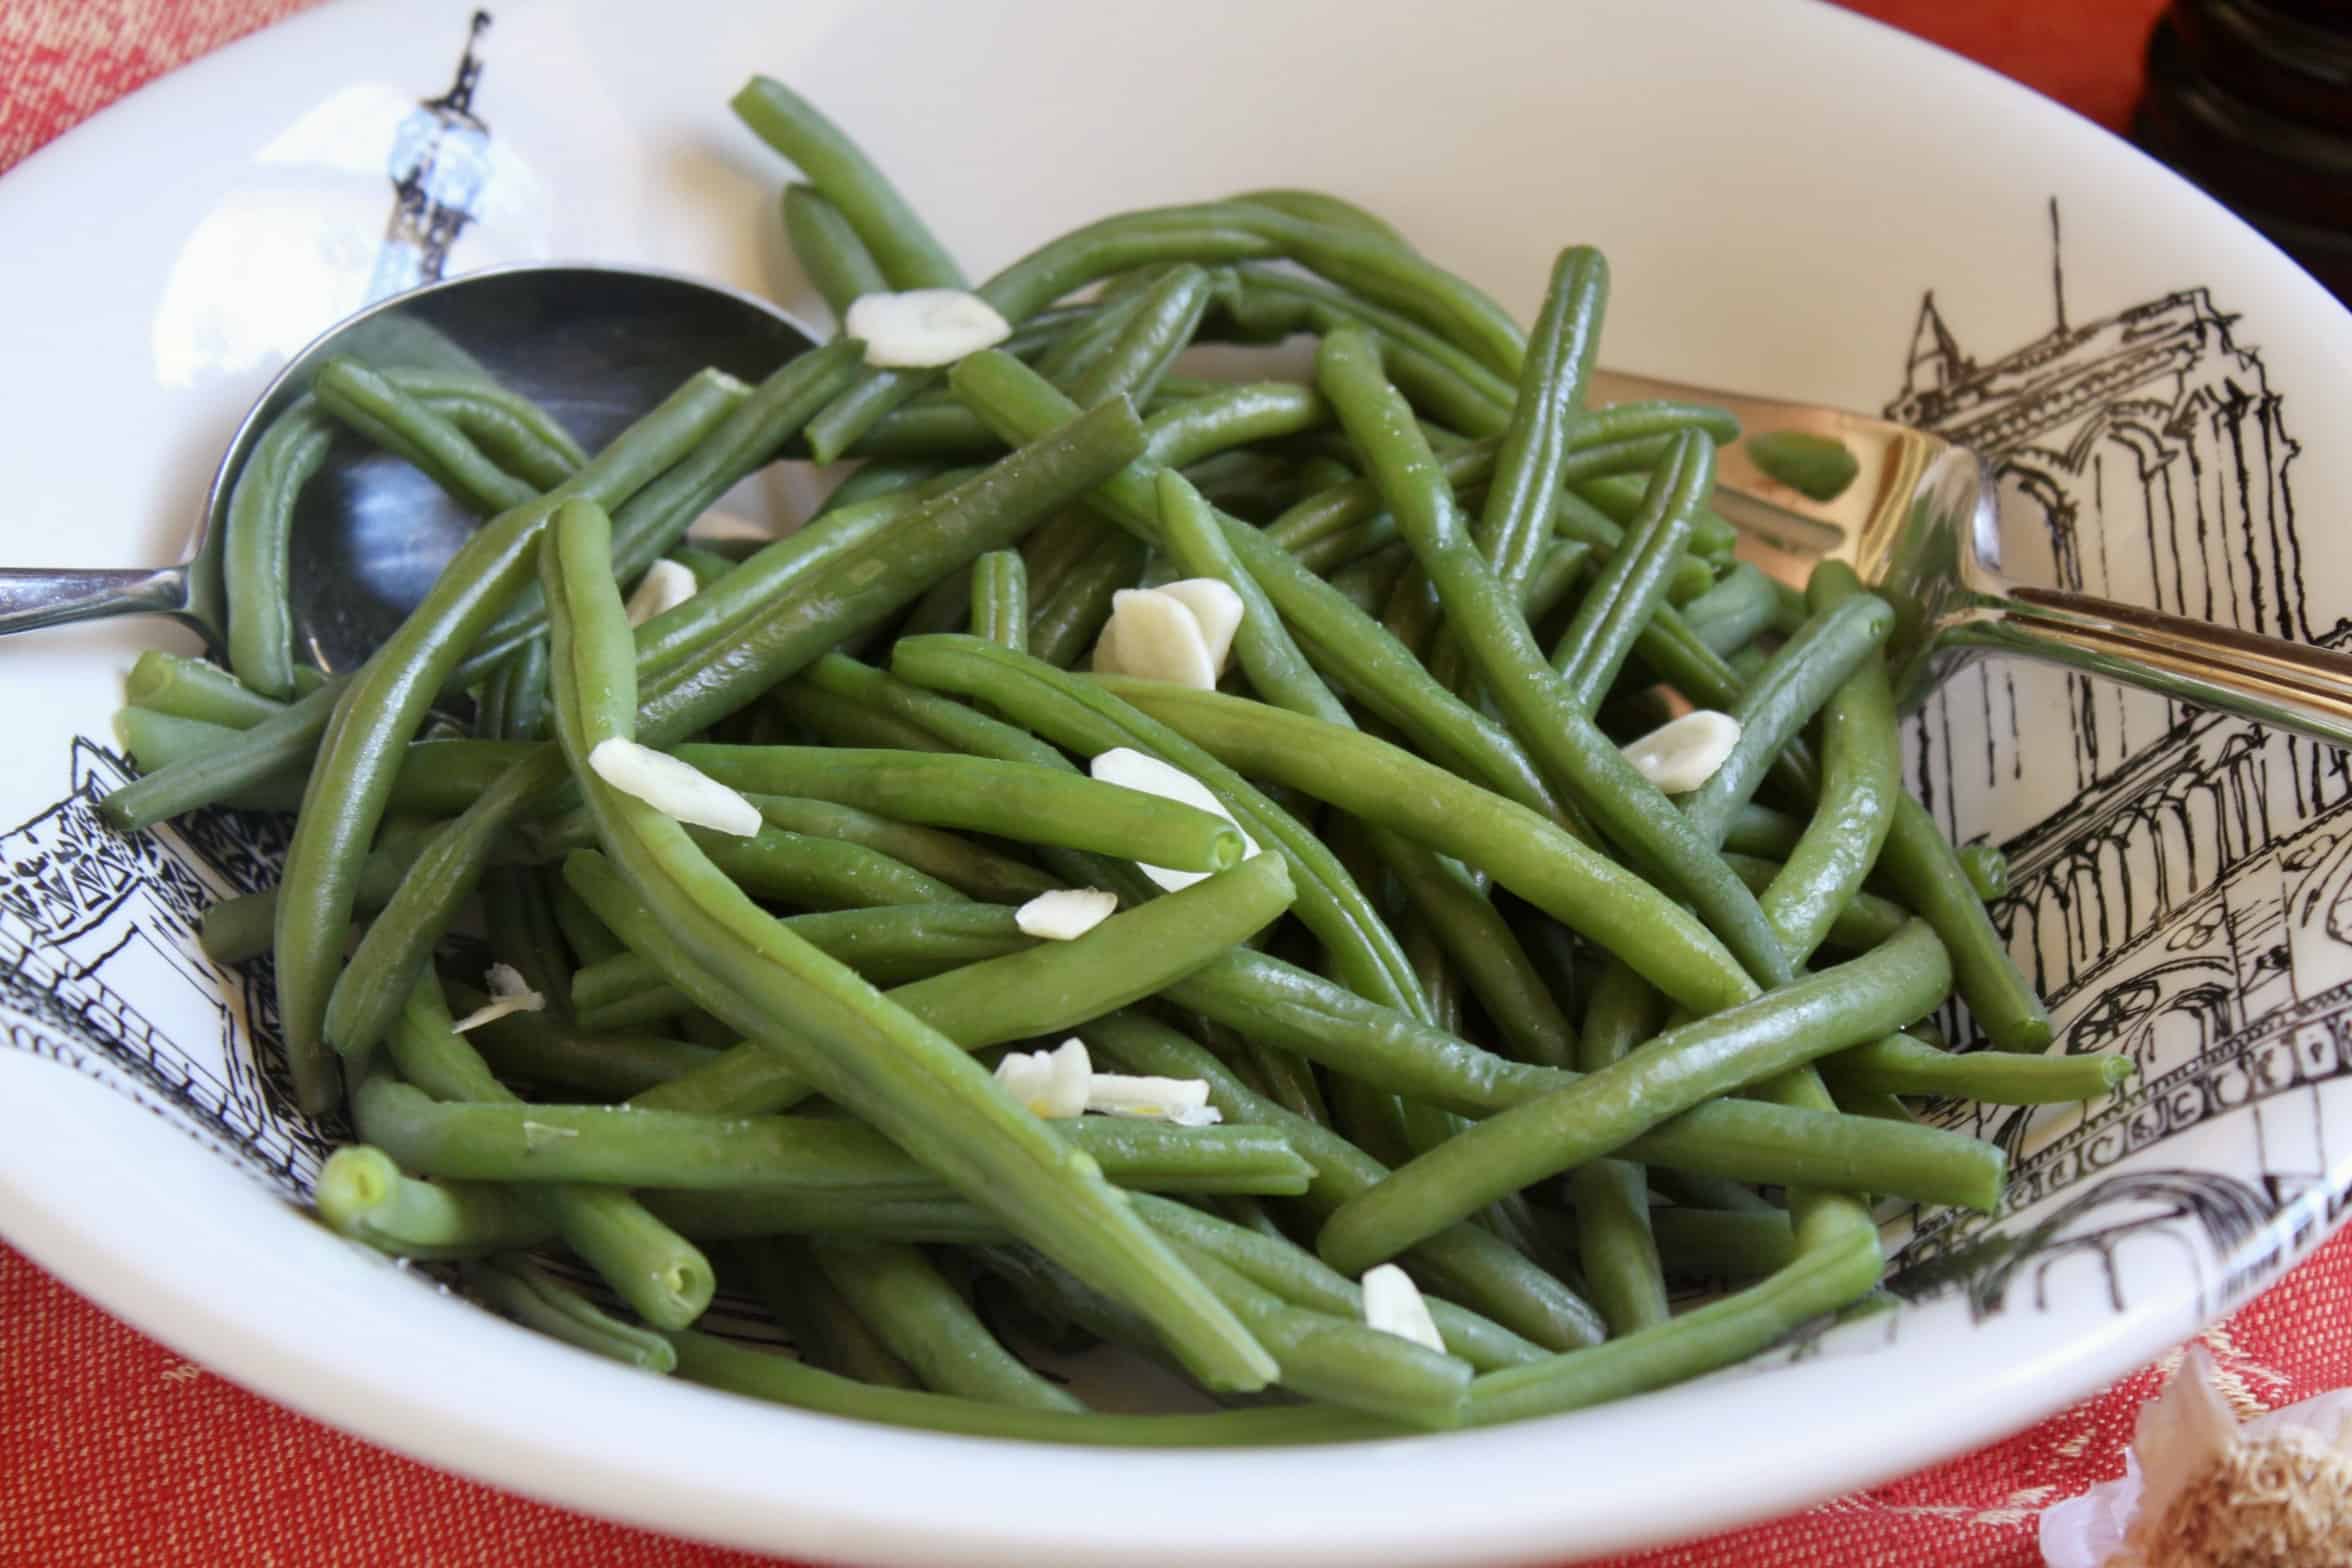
594 346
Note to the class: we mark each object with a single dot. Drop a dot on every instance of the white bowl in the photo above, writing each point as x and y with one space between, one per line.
1792 199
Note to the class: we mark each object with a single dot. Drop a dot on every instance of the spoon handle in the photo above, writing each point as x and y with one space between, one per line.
2289 684
35 596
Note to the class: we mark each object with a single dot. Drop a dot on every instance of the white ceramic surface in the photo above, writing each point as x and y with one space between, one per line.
1777 186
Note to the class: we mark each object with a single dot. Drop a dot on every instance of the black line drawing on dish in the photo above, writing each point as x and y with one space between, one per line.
439 164
2191 903
98 951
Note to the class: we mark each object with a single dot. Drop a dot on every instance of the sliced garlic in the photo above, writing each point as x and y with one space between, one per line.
1393 1305
1157 637
1052 1084
1218 609
665 586
1131 769
1681 755
1066 912
1184 1101
509 993
674 788
923 328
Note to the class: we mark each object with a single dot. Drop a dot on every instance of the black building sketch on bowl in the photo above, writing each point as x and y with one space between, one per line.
2191 904
439 163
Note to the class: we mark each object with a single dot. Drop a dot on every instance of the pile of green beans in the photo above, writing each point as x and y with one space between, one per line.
1464 990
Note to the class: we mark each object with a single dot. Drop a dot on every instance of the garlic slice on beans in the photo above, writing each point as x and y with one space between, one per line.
509 993
1052 1084
923 328
1066 913
1155 636
676 789
1393 1305
1680 756
665 586
1132 769
1218 609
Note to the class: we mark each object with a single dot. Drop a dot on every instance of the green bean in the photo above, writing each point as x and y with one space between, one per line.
1860 1000
816 873
1861 766
390 418
589 941
1064 622
513 703
637 1146
518 1290
256 548
1304 1280
1541 709
244 760
1009 799
383 969
1342 1361
1056 545
1733 613
818 715
1466 1263
783 1380
1832 1269
1864 922
1801 676
971 869
737 1214
873 481
514 432
350 785
1380 783
929 432
1618 496
1000 599
828 249
362 1195
1630 586
1166 316
1523 495
825 1329
1325 208
1987 870
708 566
1370 664
1900 1064
1816 466
540 1048
1918 862
1616 1244
520 923
1761 831
436 776
1712 1244
662 1277
901 247
1080 345
913 1084
1037 990
1082 716
1488 956
174 684
927 1325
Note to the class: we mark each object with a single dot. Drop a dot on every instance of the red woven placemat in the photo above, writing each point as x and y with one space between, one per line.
115 1451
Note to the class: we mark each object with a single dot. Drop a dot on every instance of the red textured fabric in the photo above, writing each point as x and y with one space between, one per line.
115 1451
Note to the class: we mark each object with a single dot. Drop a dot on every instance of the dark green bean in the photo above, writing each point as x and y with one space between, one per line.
1716 1244
1000 599
970 868
1615 1242
255 569
1918 862
540 1048
174 684
1900 1064
1523 495
361 1194
828 249
1065 623
784 1380
1625 595
1166 316
388 417
1987 869
1857 1001
1008 799
519 1290
1733 613
927 1325
901 247
246 760
825 1329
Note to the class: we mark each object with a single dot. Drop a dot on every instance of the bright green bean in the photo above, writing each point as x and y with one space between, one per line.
901 247
361 1194
927 1325
1000 599
828 248
519 1290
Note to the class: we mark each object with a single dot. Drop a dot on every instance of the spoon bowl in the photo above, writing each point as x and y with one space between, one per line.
594 346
